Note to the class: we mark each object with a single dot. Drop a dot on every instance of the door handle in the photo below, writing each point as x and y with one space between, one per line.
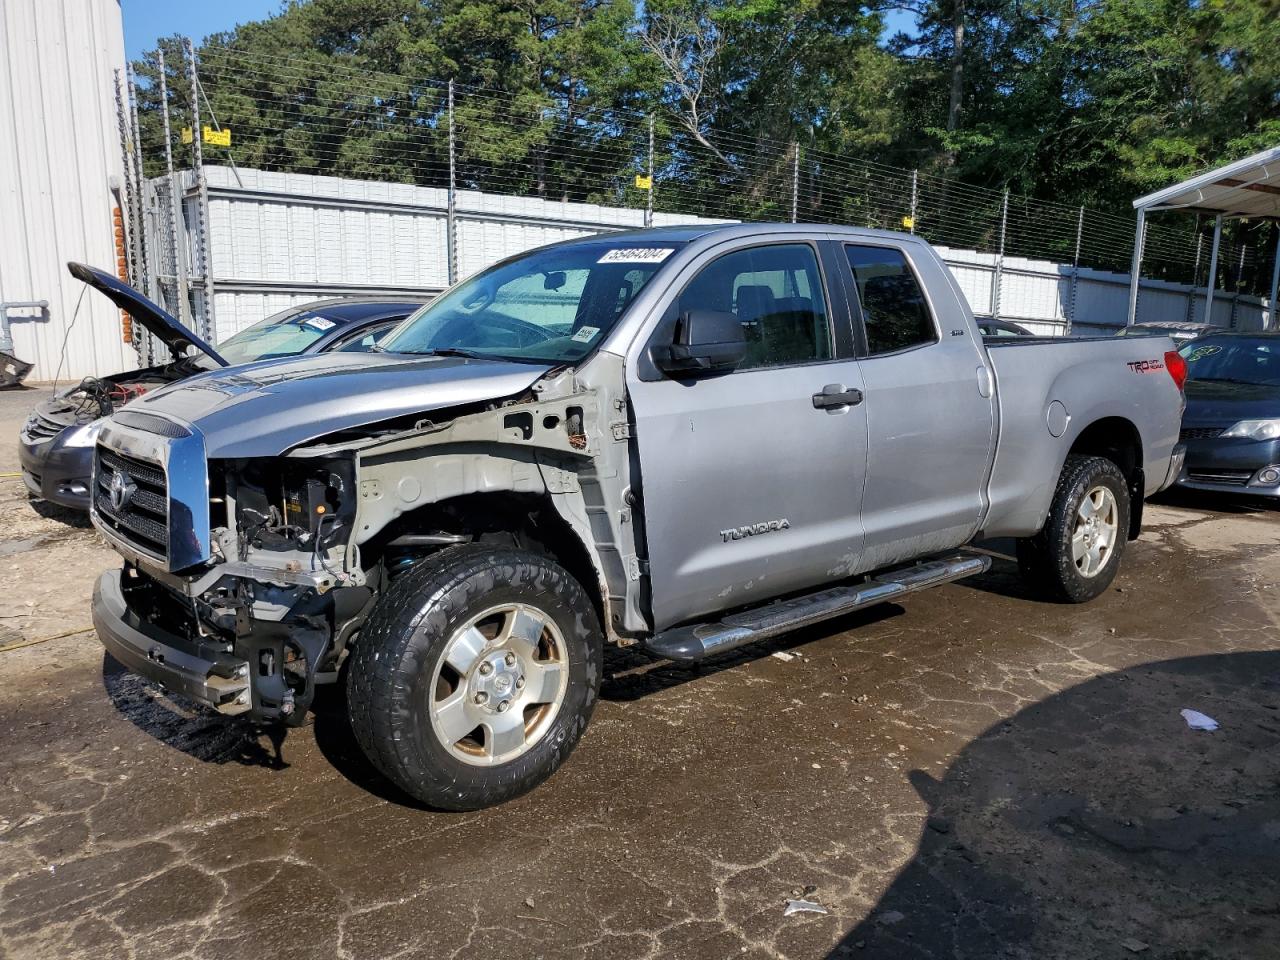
837 395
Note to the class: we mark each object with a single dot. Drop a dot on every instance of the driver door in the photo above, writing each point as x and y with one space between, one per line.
752 487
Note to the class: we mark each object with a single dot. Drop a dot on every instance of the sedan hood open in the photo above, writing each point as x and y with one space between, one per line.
159 323
264 409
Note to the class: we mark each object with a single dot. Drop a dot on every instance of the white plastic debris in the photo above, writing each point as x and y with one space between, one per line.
1198 721
783 656
803 906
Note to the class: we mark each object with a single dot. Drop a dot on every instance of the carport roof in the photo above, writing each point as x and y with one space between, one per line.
1245 188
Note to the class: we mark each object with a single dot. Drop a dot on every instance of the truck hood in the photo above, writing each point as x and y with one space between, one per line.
264 409
1214 403
161 324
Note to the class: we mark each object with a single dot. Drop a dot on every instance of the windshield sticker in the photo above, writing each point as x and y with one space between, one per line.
1199 353
319 323
585 334
636 255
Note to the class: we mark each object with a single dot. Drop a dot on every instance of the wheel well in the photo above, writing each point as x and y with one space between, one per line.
1118 440
527 521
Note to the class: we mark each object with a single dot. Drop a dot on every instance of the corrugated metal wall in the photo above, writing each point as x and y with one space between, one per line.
278 239
59 155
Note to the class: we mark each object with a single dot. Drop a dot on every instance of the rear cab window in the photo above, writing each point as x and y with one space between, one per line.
895 314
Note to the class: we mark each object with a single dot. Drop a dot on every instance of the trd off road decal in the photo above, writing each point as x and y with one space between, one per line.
1145 366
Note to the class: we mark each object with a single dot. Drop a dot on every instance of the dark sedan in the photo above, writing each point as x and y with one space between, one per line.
1232 422
56 442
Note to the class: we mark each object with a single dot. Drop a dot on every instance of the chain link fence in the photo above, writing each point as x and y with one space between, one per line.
300 116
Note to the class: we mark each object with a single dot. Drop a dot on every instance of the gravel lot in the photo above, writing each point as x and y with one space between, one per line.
972 774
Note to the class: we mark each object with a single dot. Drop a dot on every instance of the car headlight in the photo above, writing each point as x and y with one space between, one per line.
85 435
1254 429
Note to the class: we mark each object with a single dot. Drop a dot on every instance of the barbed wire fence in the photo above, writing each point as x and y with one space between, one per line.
300 115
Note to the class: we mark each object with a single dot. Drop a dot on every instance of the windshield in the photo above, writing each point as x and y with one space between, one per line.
1234 359
553 305
280 335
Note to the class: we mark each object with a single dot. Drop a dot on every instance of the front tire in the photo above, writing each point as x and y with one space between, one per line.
475 676
1076 555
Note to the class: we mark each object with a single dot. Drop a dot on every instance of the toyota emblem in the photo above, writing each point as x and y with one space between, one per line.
122 490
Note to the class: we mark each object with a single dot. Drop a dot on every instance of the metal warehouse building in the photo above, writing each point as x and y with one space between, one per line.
60 171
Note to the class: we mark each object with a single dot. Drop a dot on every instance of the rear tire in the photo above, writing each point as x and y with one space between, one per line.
475 676
1076 555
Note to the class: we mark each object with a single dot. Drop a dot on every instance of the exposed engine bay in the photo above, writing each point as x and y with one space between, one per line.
97 397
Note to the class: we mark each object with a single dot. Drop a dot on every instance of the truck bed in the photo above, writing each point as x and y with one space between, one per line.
1068 383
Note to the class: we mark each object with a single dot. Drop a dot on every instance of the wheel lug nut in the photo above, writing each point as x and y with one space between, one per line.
482 697
510 659
503 706
519 683
486 668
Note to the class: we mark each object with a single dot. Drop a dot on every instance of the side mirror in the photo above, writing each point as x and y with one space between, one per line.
706 341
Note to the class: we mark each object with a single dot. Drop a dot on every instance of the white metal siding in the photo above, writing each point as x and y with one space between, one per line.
59 153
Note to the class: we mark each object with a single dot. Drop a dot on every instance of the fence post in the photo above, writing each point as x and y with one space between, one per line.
1273 321
795 180
648 200
203 243
1235 297
176 248
1075 274
128 190
1195 274
143 342
451 227
995 288
915 196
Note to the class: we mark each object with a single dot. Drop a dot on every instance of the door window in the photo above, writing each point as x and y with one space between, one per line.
369 339
776 294
894 311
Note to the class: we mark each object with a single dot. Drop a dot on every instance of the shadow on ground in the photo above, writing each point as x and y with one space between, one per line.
1037 846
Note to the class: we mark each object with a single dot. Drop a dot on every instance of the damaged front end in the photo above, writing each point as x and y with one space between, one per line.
237 588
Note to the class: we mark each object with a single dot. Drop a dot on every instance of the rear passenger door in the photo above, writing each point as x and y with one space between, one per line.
752 488
930 427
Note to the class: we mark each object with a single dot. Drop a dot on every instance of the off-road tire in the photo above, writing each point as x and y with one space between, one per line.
391 666
1045 560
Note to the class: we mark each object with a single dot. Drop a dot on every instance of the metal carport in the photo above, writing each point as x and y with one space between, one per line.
1245 189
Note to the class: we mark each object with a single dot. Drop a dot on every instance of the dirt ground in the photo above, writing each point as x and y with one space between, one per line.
973 774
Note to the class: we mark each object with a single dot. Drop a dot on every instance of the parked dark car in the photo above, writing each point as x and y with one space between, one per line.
56 442
1177 330
991 327
1232 422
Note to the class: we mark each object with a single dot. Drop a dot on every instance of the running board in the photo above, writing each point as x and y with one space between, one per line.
704 639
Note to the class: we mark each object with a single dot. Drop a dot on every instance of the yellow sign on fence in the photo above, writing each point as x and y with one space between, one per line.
218 138
186 135
908 222
643 182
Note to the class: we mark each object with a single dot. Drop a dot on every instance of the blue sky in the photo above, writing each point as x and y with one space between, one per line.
145 21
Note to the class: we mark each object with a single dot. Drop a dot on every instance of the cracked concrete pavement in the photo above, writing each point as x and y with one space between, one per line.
973 774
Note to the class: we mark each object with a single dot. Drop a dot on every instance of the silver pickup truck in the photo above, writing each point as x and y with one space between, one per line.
691 439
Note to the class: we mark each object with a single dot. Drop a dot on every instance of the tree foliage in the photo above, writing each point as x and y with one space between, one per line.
1076 101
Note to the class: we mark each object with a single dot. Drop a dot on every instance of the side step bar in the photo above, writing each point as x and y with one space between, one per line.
704 639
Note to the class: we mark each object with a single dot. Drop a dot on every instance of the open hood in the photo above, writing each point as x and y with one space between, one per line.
158 323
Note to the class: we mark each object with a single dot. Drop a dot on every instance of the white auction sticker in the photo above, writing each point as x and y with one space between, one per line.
585 334
319 323
636 255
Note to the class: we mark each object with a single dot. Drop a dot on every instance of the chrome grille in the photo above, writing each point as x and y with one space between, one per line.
143 519
1200 433
39 427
